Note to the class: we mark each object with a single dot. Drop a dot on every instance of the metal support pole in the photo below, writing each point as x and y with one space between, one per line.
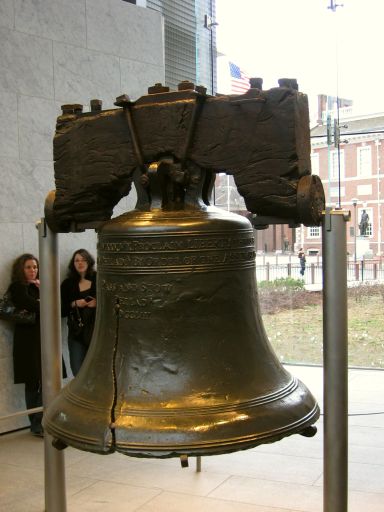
51 356
335 332
354 202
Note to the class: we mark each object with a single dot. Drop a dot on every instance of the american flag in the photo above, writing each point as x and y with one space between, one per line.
239 79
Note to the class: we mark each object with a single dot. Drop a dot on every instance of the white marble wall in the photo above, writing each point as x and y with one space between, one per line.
54 52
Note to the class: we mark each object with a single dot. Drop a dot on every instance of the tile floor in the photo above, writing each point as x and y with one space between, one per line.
282 477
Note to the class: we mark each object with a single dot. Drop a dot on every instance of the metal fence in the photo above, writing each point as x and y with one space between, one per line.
364 270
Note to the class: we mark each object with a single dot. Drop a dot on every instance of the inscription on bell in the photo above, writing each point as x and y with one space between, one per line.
151 288
168 260
138 300
134 314
175 244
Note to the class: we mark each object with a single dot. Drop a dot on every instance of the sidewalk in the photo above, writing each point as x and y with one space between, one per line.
286 476
316 287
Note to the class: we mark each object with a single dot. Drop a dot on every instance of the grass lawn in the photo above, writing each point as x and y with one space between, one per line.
293 321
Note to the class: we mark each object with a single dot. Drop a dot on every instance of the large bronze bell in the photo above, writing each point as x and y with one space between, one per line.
179 362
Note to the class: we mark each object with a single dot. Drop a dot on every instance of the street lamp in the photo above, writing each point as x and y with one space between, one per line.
354 202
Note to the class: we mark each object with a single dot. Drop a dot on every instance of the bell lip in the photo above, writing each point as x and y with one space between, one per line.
213 447
221 437
81 441
219 446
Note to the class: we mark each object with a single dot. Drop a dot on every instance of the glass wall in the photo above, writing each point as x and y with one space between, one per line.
333 52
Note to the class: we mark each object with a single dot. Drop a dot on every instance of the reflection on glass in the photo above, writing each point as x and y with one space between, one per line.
347 153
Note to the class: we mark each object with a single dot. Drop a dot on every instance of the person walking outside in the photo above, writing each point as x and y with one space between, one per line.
302 260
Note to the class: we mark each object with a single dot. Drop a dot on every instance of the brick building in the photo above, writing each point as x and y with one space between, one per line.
357 159
352 178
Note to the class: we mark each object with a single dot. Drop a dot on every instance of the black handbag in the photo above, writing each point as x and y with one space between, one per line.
75 323
9 312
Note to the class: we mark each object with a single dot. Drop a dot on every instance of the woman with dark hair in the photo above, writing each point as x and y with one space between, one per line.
24 291
78 301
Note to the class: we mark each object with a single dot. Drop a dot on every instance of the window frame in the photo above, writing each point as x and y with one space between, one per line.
333 165
364 169
313 232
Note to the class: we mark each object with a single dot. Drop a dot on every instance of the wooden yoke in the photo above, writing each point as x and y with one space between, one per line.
260 137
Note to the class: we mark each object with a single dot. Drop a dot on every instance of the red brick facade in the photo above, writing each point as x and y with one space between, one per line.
361 179
361 184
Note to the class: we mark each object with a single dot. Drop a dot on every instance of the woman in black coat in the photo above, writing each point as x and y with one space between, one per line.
78 297
24 291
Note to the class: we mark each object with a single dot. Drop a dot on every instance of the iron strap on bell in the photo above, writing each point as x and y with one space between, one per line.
179 363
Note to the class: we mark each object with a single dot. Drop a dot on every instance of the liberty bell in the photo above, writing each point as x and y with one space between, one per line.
179 362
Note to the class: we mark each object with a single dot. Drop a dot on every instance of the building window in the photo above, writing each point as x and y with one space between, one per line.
334 191
334 165
315 163
364 161
364 190
314 232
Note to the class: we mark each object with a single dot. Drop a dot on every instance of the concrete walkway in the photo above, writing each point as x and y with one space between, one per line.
286 476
